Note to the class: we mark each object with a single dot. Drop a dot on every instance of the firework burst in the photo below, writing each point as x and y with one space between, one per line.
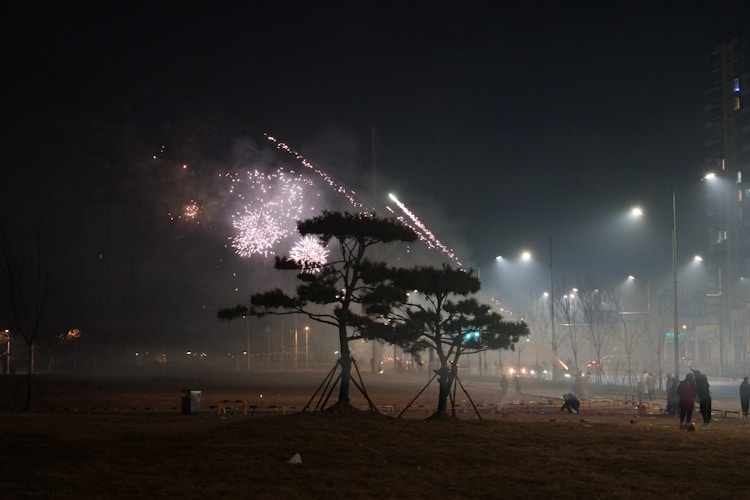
271 205
310 254
257 232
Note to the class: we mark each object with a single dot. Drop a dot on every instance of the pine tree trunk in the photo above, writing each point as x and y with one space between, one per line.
444 383
346 375
346 365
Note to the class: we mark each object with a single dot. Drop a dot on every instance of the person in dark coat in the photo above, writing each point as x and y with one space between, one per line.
504 385
745 396
571 403
687 392
704 395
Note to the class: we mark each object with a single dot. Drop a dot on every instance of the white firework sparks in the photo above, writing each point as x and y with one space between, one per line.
310 254
257 232
272 204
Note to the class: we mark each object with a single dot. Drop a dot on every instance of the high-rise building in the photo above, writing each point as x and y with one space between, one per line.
727 109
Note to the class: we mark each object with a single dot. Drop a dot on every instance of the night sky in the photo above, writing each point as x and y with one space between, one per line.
498 124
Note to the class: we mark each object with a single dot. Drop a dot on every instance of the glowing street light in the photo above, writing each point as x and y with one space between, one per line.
526 256
676 327
307 344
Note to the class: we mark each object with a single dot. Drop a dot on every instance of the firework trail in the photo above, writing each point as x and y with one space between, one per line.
423 233
416 225
338 187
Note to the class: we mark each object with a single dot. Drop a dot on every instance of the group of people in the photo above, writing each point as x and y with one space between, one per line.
504 384
681 397
694 387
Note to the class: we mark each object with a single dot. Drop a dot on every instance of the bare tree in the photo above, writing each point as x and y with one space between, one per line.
633 327
660 322
570 319
26 264
535 313
601 318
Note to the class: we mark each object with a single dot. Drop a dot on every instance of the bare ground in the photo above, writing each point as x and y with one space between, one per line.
126 438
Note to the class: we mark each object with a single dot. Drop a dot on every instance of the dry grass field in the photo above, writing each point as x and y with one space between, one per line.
118 438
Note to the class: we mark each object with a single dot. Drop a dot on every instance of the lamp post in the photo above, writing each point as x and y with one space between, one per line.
725 192
6 335
719 296
247 339
553 332
295 348
553 327
307 344
676 325
674 291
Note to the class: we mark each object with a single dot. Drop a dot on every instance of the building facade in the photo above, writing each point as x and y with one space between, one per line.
725 339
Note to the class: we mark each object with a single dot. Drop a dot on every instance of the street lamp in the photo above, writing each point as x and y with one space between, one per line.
730 224
247 339
553 330
720 314
5 336
674 291
307 344
675 326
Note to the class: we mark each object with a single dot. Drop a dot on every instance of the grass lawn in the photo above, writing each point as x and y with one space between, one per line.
354 454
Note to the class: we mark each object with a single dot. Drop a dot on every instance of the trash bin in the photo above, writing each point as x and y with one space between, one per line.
191 401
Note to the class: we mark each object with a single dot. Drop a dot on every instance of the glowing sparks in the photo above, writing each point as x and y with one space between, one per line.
69 335
310 254
423 233
191 210
272 204
257 232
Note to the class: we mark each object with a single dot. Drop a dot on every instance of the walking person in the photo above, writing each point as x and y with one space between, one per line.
687 393
643 387
651 386
704 396
504 385
745 396
673 399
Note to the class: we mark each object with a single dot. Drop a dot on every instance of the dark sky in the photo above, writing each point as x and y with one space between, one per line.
498 123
